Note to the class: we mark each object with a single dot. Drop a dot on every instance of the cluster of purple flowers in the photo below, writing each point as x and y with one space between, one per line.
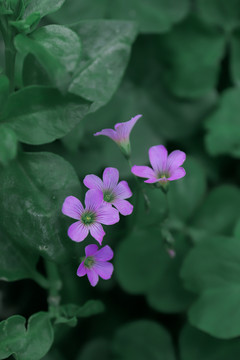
106 198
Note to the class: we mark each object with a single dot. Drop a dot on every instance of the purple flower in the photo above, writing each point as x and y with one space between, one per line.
121 134
96 212
113 192
96 264
164 167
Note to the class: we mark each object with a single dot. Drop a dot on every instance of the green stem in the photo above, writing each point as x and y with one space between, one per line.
40 280
139 185
55 286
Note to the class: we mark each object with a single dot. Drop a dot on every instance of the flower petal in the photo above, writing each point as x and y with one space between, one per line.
92 277
93 199
110 178
104 254
81 271
104 269
112 134
122 190
158 158
107 215
123 206
90 250
77 231
96 230
72 207
175 159
143 171
151 181
93 182
177 174
124 129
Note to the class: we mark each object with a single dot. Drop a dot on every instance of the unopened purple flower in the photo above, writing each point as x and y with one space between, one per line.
113 192
96 212
96 264
164 167
121 134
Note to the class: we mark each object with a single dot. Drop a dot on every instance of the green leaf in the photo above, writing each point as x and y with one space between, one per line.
223 125
154 16
43 7
216 280
34 188
40 114
220 210
26 344
56 48
184 70
16 262
143 339
168 294
197 345
8 144
137 260
69 313
235 57
220 12
4 90
186 194
106 49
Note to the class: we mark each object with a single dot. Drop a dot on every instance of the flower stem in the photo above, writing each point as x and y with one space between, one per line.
139 185
40 280
55 286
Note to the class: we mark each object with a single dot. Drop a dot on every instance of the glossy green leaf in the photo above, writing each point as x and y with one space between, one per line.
43 7
186 194
137 260
8 144
220 12
40 114
169 295
141 340
185 71
26 344
16 262
195 344
220 210
34 188
223 135
216 280
106 49
56 48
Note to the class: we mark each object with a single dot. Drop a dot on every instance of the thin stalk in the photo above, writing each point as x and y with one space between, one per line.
55 286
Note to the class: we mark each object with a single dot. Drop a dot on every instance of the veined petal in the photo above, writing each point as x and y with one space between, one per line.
104 269
77 231
90 250
107 215
143 171
175 159
92 277
124 129
81 271
72 207
123 206
93 199
97 232
177 174
122 190
104 254
93 182
110 178
112 134
158 158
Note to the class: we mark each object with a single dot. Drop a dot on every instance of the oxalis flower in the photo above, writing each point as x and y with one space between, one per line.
121 134
96 264
113 192
164 167
96 212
